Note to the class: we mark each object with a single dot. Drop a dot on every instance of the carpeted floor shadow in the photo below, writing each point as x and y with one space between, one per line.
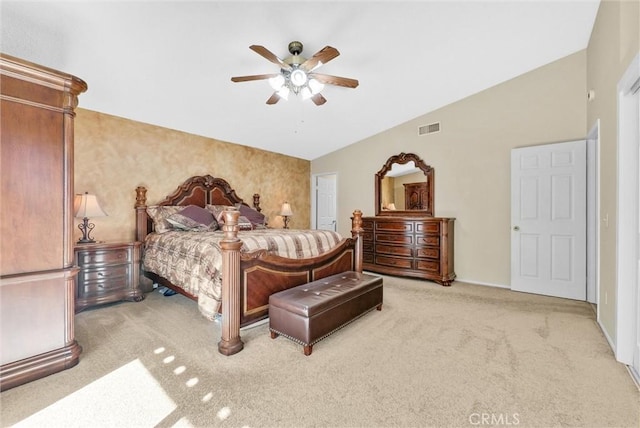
464 355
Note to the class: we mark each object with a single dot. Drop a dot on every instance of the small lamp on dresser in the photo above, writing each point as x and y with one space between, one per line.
84 207
286 212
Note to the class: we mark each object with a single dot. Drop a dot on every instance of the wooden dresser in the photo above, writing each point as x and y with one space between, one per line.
109 272
420 247
37 271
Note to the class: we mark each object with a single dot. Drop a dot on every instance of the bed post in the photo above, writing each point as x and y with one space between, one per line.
356 233
141 213
230 342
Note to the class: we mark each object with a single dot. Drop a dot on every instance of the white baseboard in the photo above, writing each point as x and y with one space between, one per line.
606 336
635 376
488 284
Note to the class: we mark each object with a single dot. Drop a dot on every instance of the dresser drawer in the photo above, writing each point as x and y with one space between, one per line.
367 235
394 226
394 250
367 257
429 253
394 238
427 265
428 227
432 240
394 262
104 257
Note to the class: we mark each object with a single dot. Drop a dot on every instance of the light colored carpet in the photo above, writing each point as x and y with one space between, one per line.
466 355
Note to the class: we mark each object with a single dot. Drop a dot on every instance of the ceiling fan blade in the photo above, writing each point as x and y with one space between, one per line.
323 56
254 77
318 99
266 53
273 98
335 80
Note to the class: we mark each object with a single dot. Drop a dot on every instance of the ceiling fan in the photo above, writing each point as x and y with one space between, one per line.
297 74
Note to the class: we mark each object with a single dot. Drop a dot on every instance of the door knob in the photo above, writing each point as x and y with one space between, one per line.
516 228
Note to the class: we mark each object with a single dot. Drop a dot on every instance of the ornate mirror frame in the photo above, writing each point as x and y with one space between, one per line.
404 158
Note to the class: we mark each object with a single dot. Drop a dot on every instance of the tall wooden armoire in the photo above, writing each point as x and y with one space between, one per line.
416 196
37 271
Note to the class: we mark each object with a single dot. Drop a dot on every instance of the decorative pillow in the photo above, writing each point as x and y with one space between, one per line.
254 216
244 223
159 214
193 218
217 211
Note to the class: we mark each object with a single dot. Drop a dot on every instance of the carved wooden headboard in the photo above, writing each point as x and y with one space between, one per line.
198 190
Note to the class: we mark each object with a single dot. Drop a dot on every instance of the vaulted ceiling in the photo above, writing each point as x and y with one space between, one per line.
169 63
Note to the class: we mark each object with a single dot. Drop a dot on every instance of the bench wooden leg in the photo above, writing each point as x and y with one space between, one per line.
274 335
308 349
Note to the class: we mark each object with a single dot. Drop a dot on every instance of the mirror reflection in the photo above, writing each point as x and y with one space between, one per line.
404 186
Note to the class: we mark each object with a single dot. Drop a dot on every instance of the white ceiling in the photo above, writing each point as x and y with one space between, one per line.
170 63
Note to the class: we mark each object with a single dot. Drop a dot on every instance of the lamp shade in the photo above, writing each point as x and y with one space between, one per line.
87 206
286 209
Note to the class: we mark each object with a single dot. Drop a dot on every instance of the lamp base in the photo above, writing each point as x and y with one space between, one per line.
86 229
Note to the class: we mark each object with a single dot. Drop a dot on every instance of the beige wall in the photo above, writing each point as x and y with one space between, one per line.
114 155
615 41
471 159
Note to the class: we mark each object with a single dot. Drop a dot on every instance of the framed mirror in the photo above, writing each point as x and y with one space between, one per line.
404 187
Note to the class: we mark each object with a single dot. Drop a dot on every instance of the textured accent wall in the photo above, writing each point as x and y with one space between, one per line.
114 155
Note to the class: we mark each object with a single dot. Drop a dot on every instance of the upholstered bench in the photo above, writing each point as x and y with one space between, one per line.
310 312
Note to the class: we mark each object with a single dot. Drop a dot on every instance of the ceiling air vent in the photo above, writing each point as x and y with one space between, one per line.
429 129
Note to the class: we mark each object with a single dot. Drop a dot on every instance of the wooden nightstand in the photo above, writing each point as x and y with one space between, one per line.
109 272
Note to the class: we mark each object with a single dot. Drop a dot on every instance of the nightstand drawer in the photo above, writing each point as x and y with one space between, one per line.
92 283
107 273
104 257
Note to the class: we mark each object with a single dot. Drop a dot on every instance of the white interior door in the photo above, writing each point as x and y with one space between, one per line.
326 202
548 219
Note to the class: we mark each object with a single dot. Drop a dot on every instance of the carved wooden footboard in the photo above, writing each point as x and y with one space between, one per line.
248 279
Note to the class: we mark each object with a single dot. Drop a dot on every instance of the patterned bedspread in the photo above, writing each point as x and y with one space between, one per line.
193 260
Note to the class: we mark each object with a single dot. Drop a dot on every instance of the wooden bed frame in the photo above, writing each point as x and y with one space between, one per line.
248 279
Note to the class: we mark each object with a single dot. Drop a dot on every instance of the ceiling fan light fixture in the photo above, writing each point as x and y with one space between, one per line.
283 92
306 93
315 86
277 82
298 77
297 74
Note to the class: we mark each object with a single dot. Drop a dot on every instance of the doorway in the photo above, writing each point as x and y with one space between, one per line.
628 220
593 214
323 203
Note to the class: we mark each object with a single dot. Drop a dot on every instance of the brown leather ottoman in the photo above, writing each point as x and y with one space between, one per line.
310 312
